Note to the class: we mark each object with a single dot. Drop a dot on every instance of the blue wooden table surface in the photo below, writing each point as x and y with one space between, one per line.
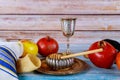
93 73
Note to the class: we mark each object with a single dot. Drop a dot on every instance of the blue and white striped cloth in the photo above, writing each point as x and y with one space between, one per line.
8 57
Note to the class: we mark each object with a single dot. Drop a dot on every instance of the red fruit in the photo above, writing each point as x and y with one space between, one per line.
47 45
103 59
118 60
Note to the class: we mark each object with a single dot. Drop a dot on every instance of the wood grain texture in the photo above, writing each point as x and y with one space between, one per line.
42 17
53 22
80 37
60 7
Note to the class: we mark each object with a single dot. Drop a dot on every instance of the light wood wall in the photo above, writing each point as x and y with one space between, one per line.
34 19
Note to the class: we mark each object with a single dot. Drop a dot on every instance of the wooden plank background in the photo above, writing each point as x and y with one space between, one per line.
53 22
34 19
59 7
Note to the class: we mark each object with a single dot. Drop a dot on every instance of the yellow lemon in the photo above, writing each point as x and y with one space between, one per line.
29 47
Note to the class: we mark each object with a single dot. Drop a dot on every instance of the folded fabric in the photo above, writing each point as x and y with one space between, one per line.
9 53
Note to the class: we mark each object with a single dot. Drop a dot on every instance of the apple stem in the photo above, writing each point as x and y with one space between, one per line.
48 38
101 44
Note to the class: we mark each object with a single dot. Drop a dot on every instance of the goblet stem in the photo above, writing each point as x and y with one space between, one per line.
68 46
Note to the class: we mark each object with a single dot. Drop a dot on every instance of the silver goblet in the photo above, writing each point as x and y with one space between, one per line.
68 27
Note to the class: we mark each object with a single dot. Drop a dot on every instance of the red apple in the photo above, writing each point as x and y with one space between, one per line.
47 45
103 59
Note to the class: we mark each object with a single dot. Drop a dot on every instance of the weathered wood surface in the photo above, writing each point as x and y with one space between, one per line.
93 73
80 37
53 22
35 19
60 7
